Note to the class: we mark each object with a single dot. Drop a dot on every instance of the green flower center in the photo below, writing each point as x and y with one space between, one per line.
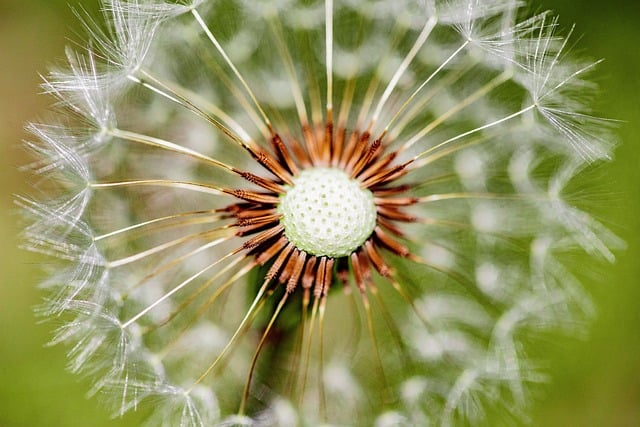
326 213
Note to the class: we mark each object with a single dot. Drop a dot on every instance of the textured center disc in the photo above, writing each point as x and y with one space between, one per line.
326 213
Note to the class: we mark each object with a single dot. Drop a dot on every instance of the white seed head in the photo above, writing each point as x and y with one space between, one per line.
463 131
326 213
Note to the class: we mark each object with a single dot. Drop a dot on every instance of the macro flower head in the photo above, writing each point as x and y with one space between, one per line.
339 212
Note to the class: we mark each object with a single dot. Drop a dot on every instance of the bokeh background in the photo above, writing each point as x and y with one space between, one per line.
592 382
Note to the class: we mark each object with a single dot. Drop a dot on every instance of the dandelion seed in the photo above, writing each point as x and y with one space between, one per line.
301 213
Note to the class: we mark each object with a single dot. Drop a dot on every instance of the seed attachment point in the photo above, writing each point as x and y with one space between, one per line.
327 213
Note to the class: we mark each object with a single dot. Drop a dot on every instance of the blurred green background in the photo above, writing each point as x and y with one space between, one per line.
593 382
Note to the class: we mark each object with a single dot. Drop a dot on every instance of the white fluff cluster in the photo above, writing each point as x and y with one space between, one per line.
488 110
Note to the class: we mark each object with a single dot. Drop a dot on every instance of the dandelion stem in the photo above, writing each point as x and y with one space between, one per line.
217 45
426 82
419 107
168 245
392 326
236 334
191 298
237 93
478 129
154 89
167 145
440 154
243 271
486 88
292 377
307 358
212 216
422 38
170 93
345 105
396 37
203 307
177 261
321 389
291 71
328 4
396 285
488 196
374 342
263 339
186 185
173 291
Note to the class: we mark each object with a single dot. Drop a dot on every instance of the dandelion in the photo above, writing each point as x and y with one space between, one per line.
315 212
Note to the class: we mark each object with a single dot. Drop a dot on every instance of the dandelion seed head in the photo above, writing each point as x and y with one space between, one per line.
326 213
331 212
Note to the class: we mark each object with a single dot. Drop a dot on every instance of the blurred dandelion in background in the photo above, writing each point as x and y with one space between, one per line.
315 212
